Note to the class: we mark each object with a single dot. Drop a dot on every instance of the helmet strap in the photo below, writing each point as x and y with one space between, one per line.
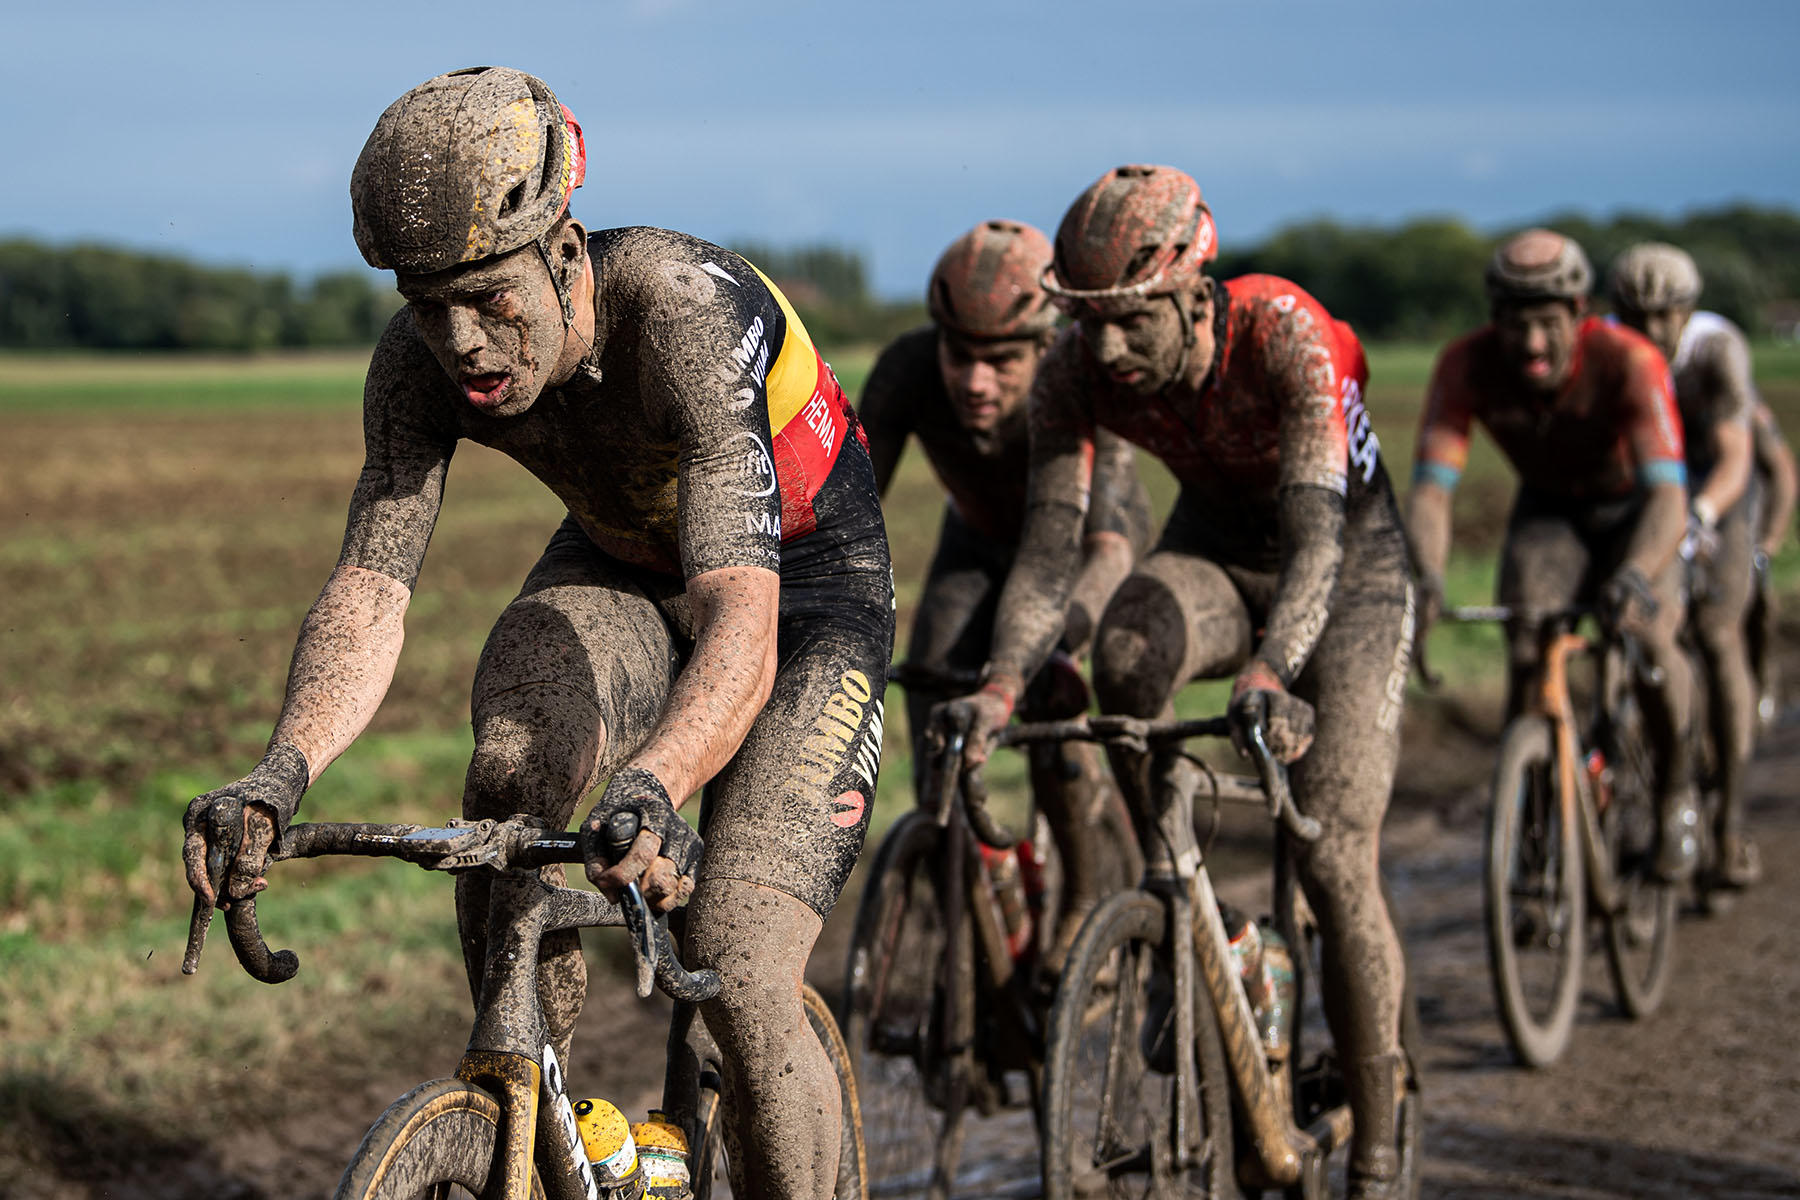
1184 315
563 294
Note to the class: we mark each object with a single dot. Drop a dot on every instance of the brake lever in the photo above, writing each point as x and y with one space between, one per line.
643 937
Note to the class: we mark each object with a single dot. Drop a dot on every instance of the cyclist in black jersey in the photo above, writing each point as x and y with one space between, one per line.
715 612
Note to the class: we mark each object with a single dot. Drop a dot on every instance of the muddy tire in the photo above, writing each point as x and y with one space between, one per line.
1536 896
893 1004
434 1143
1096 1062
1640 935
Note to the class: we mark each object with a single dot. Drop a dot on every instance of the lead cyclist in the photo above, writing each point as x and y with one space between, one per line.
715 611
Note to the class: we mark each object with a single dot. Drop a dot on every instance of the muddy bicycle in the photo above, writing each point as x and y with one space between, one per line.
503 1126
1572 823
1189 1093
946 986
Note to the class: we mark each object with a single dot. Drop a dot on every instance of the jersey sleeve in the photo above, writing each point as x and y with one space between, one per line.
1442 450
705 351
1651 420
407 442
1115 494
1306 364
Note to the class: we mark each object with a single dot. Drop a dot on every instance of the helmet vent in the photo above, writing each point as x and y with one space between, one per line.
513 200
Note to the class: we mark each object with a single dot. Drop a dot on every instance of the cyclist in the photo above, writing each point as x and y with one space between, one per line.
716 608
1777 476
959 386
1282 563
1584 412
1654 289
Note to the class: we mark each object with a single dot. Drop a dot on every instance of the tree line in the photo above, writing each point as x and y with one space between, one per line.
1420 280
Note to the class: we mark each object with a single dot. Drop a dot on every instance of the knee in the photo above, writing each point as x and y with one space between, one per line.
537 750
1138 649
758 941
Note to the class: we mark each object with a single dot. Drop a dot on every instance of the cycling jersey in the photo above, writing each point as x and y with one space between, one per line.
1611 428
718 425
1713 387
984 476
1282 405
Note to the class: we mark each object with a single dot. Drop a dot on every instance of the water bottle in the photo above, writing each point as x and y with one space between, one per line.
663 1151
611 1150
1275 1024
1009 893
1247 953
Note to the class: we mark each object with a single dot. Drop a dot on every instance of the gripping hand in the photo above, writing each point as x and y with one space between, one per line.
229 832
1259 697
663 849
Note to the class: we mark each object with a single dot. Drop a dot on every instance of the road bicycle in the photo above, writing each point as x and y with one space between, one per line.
503 1127
1572 823
946 986
1185 1094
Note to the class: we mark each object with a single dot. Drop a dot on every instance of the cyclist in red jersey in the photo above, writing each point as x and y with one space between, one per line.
1585 413
958 385
1282 565
716 610
1655 287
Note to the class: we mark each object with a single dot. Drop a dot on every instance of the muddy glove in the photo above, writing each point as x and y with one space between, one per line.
229 832
1258 697
664 849
988 711
1627 602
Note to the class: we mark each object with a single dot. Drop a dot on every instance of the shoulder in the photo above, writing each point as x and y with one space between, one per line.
659 273
1708 338
1271 297
404 376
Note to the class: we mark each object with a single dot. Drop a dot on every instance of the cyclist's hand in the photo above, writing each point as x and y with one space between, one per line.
1431 604
230 831
664 852
1701 541
1258 697
1627 601
987 712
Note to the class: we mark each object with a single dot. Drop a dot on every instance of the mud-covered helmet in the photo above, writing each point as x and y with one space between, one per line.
1538 264
1652 276
463 167
986 285
1136 231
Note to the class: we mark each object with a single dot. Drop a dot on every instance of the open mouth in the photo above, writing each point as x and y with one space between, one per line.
487 389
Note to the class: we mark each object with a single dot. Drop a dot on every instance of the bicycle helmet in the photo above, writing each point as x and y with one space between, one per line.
1136 231
466 166
1653 276
1538 264
985 286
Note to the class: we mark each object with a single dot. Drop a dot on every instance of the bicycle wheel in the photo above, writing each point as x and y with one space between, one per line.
1536 896
1640 931
1109 1113
434 1143
893 999
708 1157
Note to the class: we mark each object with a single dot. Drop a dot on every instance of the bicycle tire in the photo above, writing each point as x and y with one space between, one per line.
436 1139
1536 895
704 1157
1095 1055
1640 931
892 1001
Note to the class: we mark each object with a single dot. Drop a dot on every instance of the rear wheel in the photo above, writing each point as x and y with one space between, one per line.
1536 897
893 1010
434 1143
1109 1088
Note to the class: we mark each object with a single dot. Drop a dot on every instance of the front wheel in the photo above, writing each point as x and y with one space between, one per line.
1109 1079
1536 895
434 1143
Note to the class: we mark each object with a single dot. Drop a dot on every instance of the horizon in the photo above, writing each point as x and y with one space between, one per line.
804 123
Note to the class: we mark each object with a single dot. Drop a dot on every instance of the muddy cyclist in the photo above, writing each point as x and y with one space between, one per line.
715 610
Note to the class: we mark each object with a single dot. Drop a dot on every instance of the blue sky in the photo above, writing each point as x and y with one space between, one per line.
227 131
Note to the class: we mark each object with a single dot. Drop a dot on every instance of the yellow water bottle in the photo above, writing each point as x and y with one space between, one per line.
663 1153
611 1150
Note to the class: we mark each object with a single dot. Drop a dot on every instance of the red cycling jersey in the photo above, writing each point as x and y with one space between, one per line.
1611 428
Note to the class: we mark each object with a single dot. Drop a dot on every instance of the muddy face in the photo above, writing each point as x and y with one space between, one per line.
496 327
1663 327
987 381
1538 340
1139 343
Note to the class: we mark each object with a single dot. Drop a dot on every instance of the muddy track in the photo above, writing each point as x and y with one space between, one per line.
1702 1099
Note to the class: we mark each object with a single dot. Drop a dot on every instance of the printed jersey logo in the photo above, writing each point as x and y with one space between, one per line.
1365 447
756 468
817 415
847 810
763 522
752 352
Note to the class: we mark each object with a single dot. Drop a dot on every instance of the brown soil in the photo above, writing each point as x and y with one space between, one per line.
1701 1099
